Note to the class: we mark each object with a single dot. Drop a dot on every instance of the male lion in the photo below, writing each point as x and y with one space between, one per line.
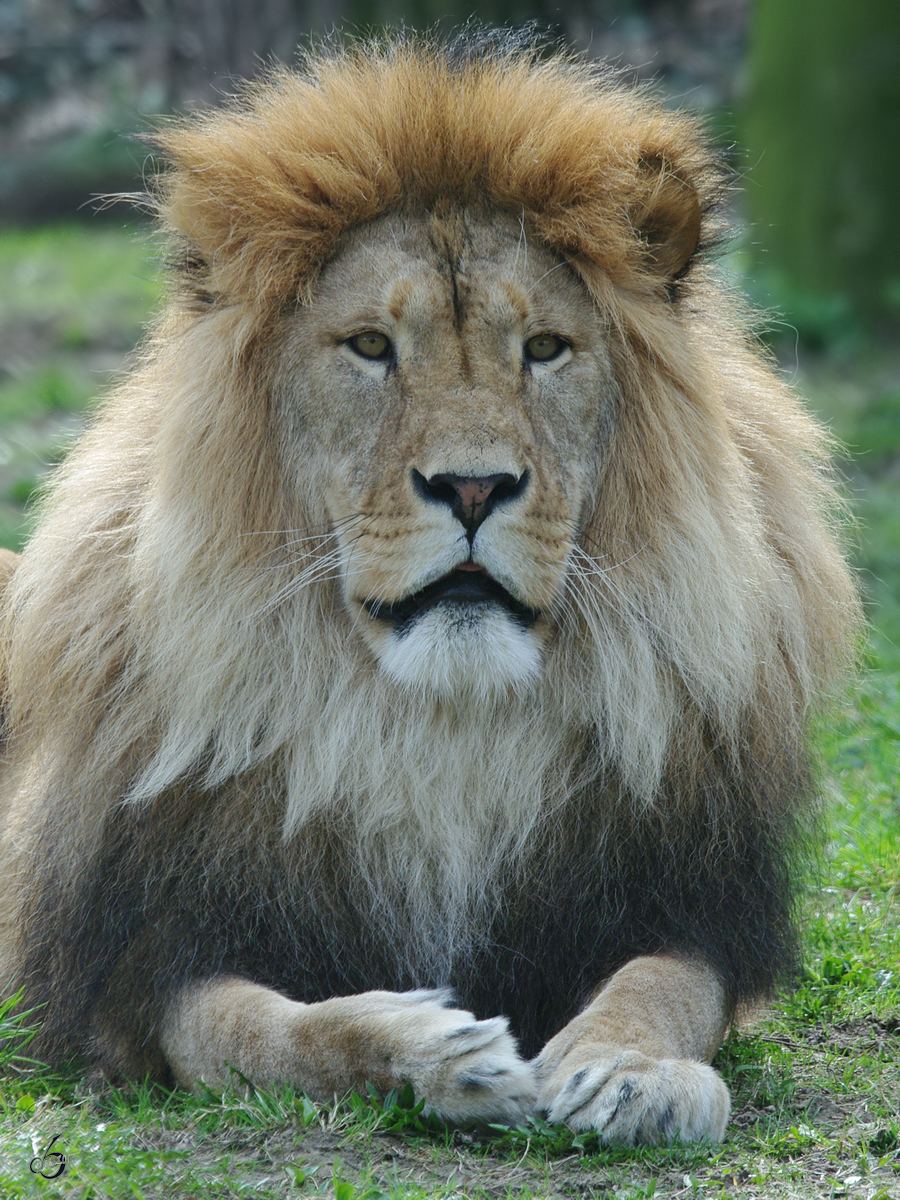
430 620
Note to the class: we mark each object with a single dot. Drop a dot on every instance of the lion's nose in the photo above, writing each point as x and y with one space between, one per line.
471 498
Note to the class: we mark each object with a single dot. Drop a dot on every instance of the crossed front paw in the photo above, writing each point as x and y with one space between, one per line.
465 1069
629 1097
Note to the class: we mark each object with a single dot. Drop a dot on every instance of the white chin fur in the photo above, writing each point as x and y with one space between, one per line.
453 650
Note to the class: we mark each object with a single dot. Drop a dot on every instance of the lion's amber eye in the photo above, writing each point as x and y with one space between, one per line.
372 345
544 347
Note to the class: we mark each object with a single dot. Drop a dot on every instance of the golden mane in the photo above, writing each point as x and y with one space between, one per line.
603 174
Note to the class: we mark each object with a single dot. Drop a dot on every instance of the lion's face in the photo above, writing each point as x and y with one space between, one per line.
455 380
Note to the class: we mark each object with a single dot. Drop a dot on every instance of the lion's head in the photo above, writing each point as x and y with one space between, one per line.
458 352
468 396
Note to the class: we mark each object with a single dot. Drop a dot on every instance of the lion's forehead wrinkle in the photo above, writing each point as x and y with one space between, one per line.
491 265
450 233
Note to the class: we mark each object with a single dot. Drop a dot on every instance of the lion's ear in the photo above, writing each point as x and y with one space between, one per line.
668 219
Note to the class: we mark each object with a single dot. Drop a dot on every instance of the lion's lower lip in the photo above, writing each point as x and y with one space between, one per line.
461 587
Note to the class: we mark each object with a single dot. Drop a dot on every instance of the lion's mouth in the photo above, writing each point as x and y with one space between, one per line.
468 585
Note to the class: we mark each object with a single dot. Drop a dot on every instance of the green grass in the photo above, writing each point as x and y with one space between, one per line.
73 302
815 1080
92 282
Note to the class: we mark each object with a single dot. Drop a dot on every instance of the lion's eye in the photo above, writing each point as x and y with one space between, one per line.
544 347
372 345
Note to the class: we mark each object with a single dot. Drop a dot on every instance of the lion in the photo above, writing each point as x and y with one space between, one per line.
409 678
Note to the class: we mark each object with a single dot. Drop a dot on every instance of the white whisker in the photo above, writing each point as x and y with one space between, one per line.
319 570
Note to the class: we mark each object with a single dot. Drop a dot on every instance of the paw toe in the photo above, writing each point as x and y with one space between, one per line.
637 1099
476 1035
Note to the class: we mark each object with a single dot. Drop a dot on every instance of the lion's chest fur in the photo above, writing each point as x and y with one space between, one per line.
465 866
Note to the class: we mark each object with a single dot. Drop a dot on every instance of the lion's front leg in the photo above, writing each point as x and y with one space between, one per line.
635 1064
466 1070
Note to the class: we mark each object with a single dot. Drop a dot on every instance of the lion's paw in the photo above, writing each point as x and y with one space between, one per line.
631 1098
465 1070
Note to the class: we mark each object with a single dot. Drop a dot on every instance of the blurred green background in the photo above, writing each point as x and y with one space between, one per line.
803 96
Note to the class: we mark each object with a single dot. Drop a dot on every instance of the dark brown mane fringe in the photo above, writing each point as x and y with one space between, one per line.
158 903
